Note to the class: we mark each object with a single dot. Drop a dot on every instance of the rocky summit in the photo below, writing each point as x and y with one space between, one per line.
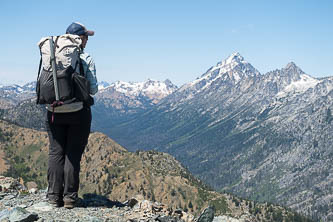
19 204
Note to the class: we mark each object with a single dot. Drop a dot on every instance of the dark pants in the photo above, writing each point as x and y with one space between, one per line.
68 136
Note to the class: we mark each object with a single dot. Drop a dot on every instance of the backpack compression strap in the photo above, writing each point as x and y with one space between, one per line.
54 68
54 71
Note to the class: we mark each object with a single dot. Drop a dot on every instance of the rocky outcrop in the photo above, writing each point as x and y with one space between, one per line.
16 204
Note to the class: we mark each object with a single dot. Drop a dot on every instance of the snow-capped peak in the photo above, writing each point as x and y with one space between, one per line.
232 60
229 66
233 69
144 88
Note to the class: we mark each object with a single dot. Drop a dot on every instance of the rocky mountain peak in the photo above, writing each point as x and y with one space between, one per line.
291 67
168 83
232 70
292 72
231 62
235 58
290 79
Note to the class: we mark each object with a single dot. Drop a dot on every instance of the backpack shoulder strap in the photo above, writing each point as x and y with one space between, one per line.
40 66
56 42
37 83
81 67
79 62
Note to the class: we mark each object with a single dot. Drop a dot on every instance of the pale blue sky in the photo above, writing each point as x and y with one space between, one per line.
176 39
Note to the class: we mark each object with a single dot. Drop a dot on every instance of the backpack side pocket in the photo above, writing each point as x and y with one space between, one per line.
82 89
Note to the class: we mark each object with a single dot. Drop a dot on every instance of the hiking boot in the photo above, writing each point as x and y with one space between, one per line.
55 200
69 204
56 203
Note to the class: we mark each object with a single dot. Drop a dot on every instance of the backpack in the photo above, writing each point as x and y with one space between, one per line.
67 83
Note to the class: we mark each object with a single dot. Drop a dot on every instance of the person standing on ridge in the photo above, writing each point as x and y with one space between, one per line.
68 134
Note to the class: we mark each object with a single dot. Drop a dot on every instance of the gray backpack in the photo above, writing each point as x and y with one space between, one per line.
55 76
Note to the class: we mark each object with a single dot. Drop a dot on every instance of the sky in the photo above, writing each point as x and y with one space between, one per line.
172 39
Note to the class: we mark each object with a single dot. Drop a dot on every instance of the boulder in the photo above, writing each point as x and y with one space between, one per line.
30 185
21 215
207 215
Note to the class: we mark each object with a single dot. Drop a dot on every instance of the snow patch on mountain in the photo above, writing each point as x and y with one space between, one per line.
304 83
102 85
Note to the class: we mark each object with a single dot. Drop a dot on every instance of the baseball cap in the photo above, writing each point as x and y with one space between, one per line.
78 29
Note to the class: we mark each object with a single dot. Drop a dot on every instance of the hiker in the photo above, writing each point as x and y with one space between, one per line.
68 134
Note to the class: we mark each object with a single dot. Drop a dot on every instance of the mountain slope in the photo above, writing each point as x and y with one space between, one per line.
260 136
110 170
26 113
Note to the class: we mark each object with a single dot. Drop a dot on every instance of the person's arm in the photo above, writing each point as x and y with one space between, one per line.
90 72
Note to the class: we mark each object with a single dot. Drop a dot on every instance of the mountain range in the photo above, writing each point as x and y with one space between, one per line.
118 102
265 137
10 95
